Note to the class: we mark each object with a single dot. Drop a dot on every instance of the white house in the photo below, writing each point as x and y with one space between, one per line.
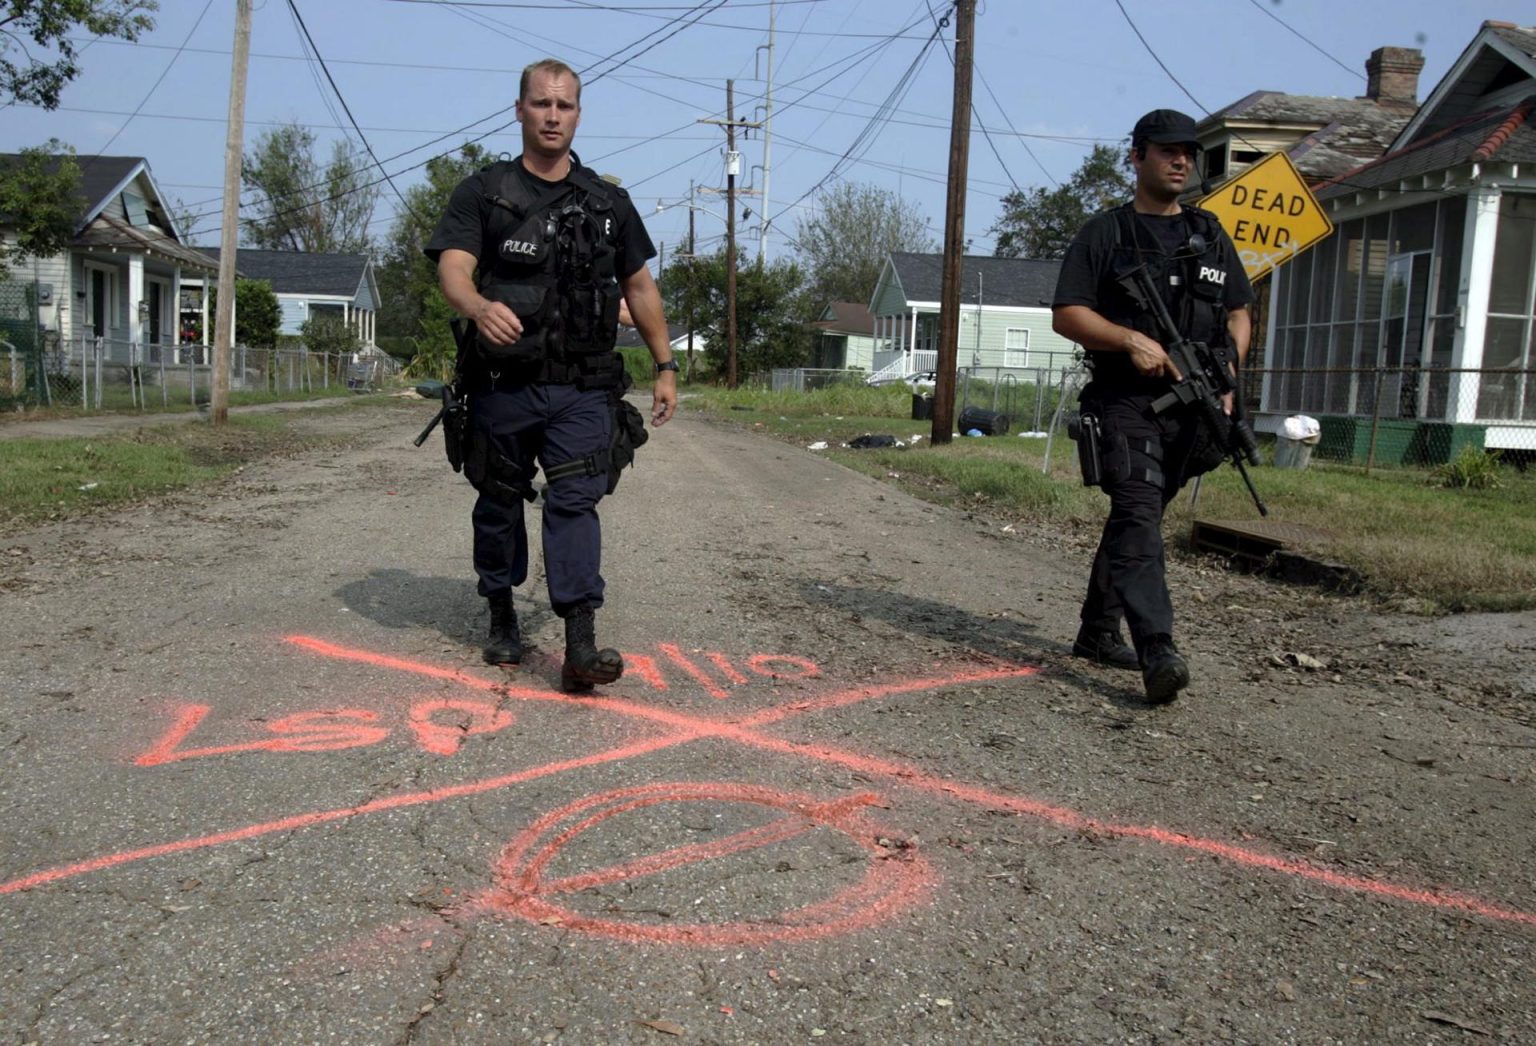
123 273
1413 322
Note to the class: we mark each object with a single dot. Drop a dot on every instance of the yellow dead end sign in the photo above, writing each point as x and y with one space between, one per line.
1270 214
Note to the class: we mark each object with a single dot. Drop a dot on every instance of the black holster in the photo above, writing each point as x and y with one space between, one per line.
1083 428
455 427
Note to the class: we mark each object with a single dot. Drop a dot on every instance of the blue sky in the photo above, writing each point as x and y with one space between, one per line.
859 92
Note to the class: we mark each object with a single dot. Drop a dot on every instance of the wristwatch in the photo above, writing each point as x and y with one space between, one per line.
669 365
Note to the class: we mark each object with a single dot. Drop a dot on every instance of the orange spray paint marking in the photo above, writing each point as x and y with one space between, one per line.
726 668
677 657
325 731
289 824
681 729
644 666
886 887
803 668
445 739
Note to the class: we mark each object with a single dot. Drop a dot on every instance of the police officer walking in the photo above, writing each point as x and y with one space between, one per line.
1147 455
539 253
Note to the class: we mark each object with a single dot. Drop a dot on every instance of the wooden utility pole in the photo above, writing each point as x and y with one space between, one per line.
732 168
693 262
224 320
731 163
954 226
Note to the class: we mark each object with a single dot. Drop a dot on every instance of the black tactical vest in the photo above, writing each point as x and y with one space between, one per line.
1194 289
549 256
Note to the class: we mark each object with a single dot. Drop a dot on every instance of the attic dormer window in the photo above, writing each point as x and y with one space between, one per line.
1216 161
134 207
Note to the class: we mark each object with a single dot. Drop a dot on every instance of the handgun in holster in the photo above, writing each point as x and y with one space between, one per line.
1084 430
454 413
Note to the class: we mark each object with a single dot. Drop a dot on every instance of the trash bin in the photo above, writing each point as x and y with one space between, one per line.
1295 440
987 422
922 406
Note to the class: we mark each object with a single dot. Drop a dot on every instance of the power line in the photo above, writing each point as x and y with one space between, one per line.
294 7
891 100
1158 60
158 81
1306 41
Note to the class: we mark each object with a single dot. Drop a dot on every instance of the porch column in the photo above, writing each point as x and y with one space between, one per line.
135 300
1472 298
176 305
1271 321
205 309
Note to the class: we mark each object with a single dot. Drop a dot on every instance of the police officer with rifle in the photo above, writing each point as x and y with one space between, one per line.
1155 293
539 254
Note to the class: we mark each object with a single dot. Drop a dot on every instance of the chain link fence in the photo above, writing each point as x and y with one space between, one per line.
99 374
21 344
1407 416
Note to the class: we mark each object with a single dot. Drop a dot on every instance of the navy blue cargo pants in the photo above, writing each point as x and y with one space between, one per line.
550 425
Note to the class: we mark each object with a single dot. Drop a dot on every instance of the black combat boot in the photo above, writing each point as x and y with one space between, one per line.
1105 647
586 665
1163 670
504 645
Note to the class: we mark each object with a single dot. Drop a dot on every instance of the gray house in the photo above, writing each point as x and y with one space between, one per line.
1005 315
845 337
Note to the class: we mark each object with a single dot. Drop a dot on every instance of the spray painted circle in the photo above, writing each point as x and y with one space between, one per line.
892 881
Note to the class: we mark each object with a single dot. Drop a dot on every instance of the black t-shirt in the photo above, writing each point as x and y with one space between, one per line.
466 225
1088 276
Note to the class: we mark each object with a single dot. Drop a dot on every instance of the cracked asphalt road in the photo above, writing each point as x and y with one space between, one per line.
257 784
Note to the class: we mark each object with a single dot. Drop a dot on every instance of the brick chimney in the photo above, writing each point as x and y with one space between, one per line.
1392 76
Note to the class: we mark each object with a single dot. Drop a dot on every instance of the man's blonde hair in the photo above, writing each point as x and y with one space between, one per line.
554 67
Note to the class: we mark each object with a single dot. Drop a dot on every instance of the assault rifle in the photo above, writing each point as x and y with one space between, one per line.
1204 378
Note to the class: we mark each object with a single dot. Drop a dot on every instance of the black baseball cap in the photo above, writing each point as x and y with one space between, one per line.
1165 127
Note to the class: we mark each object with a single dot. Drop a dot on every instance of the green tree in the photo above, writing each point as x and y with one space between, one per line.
1040 223
844 244
772 310
46 32
328 334
40 202
257 314
39 188
412 305
301 205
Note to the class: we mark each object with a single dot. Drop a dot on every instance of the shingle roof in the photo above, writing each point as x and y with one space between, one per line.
1353 129
1010 282
1507 133
99 175
106 231
848 317
301 272
1523 37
